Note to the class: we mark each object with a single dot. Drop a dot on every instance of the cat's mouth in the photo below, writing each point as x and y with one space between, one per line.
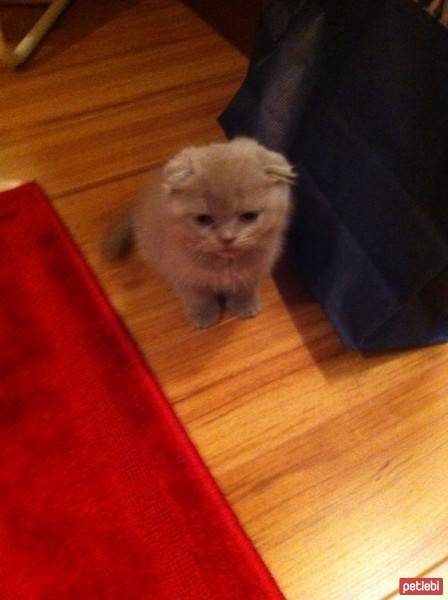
229 252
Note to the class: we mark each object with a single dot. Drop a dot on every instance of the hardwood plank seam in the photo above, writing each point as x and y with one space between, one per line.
434 566
233 76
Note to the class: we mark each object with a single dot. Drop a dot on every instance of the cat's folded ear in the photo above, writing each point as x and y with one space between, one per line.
178 173
277 169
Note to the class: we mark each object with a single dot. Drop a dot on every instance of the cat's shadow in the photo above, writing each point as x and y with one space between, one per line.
318 335
315 331
173 334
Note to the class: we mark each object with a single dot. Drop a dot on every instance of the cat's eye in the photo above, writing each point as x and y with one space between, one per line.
204 220
249 217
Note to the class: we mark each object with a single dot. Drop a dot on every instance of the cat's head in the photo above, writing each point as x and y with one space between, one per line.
227 198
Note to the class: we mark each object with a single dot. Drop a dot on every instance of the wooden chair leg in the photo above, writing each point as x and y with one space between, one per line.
13 57
444 16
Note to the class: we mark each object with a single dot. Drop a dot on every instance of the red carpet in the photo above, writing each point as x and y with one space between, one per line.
102 495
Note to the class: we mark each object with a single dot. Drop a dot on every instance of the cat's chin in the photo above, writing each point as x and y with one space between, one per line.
229 253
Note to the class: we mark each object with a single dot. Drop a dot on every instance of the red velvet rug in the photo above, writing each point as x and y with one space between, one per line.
102 495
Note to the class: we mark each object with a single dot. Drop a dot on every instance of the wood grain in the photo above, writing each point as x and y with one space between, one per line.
335 463
439 569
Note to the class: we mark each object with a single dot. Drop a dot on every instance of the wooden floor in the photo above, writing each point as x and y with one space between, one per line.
335 463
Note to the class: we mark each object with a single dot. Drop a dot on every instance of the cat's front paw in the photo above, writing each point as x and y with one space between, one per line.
244 307
206 317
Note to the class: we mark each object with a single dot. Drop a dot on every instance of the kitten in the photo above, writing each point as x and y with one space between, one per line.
213 225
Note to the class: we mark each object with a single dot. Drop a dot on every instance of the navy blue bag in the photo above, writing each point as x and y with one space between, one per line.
355 93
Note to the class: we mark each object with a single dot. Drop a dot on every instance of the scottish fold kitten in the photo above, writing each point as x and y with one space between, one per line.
213 225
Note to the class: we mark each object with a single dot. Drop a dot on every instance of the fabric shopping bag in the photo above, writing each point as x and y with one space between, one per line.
355 93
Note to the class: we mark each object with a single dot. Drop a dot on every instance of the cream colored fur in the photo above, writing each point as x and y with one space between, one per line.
222 259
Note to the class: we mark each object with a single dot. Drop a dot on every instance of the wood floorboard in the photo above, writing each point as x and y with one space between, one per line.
335 463
439 569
